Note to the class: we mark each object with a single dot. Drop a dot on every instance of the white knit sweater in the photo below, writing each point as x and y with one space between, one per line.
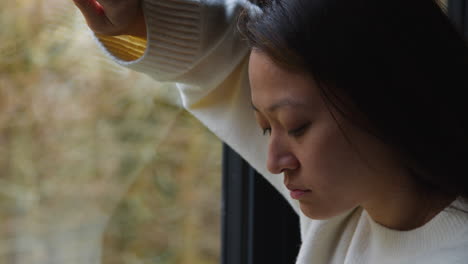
194 47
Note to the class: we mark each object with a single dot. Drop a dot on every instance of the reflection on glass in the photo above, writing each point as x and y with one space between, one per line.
95 166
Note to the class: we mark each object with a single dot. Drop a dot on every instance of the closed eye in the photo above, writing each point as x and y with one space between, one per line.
299 131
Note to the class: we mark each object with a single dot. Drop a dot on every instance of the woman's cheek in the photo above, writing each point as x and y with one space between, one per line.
328 157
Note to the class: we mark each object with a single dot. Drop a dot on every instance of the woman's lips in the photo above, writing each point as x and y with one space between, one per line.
296 193
295 190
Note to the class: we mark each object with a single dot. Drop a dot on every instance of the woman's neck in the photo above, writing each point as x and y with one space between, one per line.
406 210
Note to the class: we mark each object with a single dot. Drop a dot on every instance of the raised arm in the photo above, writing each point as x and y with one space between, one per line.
194 45
187 41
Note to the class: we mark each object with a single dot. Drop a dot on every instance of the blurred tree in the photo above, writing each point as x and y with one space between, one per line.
95 166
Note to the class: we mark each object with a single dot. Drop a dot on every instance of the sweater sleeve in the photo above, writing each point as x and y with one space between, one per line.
188 41
194 47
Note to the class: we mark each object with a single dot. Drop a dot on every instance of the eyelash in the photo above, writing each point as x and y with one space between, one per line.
298 131
295 132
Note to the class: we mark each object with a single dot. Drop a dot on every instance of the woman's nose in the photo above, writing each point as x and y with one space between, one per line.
280 157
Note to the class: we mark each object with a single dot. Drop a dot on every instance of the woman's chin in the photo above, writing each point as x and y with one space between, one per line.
314 212
319 212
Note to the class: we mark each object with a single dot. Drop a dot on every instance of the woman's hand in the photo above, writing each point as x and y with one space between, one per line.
114 17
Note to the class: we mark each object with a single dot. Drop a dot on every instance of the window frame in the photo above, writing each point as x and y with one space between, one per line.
258 225
458 12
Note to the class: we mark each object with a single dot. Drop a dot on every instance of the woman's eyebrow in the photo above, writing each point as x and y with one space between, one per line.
281 103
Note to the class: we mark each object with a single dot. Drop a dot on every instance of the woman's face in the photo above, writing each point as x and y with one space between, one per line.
323 170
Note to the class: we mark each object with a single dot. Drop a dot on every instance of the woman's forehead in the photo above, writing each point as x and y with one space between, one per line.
270 84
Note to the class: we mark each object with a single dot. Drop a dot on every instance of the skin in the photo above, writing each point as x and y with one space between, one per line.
114 17
308 147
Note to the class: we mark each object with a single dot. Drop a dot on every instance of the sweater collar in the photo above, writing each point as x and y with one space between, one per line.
446 226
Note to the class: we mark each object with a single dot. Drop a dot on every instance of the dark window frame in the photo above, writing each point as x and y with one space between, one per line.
458 12
258 225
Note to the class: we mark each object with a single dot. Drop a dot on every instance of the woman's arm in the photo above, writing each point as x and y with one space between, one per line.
196 47
188 41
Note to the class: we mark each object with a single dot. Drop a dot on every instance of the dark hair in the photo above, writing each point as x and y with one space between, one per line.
401 63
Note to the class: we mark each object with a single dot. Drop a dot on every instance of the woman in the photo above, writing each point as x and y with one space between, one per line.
360 102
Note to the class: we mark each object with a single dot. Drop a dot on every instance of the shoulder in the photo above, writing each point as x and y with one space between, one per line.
446 239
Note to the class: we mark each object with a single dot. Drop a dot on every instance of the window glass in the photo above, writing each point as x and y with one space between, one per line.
98 165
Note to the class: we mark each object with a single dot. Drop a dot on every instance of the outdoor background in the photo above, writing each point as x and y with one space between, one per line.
95 165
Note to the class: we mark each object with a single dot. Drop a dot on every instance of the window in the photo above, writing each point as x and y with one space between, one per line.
258 224
95 166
